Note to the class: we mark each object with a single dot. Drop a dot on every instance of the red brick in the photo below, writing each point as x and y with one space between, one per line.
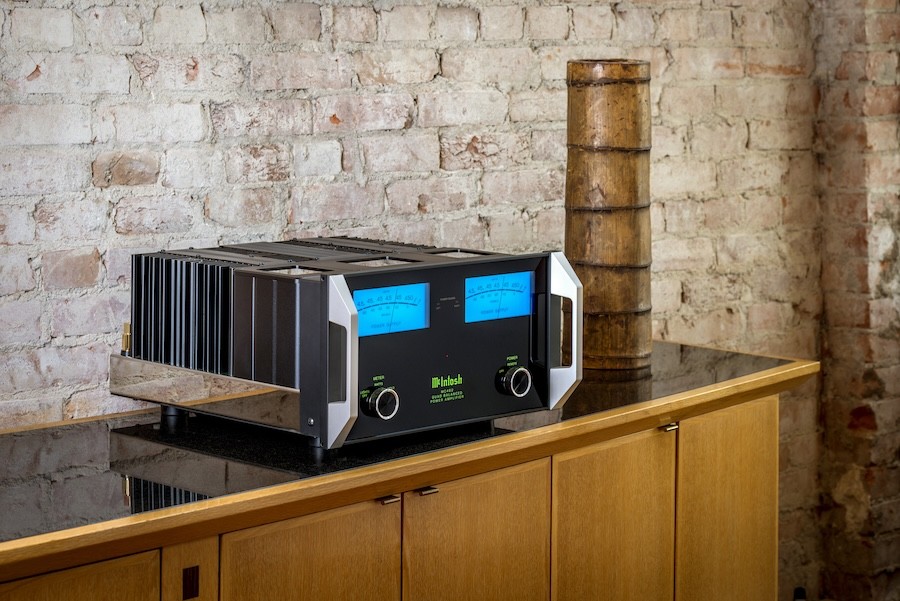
883 28
880 101
74 268
779 63
131 168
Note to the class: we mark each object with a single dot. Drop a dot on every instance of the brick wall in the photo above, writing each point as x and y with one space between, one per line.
127 127
859 149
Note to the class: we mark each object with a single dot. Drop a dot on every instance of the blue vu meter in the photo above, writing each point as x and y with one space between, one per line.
392 309
499 296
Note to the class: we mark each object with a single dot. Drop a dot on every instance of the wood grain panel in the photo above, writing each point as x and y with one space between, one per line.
135 578
351 552
727 509
614 520
203 555
481 537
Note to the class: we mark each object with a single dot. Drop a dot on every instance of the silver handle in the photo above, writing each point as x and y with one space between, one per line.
389 500
342 413
428 490
565 284
669 427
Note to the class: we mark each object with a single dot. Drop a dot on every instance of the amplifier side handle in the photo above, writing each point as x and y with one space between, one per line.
343 407
565 283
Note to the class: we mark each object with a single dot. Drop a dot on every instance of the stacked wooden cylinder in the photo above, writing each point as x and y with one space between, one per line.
608 207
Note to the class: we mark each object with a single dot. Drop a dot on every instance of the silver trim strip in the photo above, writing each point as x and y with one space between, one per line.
565 283
342 413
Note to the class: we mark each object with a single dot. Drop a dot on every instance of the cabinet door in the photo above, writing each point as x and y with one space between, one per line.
727 546
191 570
351 552
482 537
614 519
135 577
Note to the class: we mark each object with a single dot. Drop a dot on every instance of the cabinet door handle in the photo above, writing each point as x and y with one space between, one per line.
389 499
428 490
669 427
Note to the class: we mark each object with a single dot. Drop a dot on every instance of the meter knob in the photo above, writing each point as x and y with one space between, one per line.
382 403
516 381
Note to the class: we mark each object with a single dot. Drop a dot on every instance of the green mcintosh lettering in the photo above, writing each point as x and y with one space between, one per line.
443 382
445 388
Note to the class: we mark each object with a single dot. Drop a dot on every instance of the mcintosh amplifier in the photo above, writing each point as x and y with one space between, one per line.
370 339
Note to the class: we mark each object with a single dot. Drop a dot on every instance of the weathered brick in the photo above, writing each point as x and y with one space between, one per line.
719 139
362 112
99 401
456 23
76 219
708 327
71 268
483 150
679 24
295 22
189 72
547 22
883 28
769 62
707 63
130 168
321 157
504 66
715 27
262 118
253 163
787 134
666 295
881 67
42 28
668 141
742 252
431 196
339 200
175 122
522 188
634 25
537 106
153 215
300 71
242 26
676 177
460 108
354 24
509 232
44 124
89 315
674 254
69 74
593 22
117 261
406 23
881 101
548 145
21 498
549 228
502 22
767 99
16 273
236 207
178 25
396 66
414 232
112 26
194 167
39 171
679 103
407 152
16 225
753 171
20 322
462 233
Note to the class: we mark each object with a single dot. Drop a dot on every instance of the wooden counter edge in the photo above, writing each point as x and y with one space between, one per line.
114 538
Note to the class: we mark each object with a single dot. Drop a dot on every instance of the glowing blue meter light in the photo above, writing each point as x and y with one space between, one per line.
499 296
392 309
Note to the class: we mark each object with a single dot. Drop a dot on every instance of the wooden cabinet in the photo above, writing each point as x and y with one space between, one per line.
135 578
481 537
614 519
346 553
191 571
727 511
637 518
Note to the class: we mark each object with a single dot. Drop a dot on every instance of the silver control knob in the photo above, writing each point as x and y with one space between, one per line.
382 403
516 381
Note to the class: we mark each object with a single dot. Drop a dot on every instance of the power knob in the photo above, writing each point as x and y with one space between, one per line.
382 403
516 381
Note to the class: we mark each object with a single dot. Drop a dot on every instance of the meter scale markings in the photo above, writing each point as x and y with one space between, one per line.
498 296
392 309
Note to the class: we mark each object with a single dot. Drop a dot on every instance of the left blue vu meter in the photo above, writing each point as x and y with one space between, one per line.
392 309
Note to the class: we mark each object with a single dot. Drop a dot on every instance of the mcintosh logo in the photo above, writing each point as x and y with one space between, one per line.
442 382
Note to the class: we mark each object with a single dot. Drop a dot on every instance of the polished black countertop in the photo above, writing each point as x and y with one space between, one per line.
73 474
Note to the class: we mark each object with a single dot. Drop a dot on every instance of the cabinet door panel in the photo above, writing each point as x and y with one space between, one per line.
191 570
135 577
727 510
482 537
614 519
351 552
